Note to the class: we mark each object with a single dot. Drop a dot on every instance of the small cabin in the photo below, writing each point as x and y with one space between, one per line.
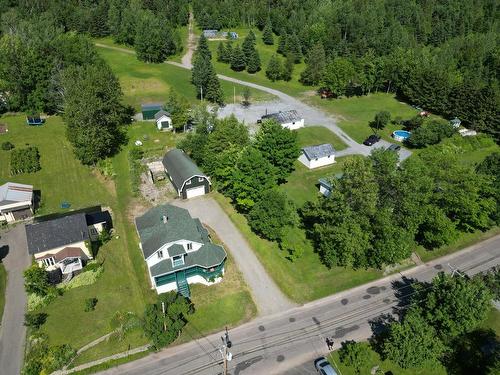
287 119
163 120
317 156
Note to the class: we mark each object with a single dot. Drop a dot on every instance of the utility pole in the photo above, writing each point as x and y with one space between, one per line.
163 309
201 92
234 94
455 271
226 355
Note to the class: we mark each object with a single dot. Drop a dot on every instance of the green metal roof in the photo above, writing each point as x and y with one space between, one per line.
209 255
175 250
180 167
179 225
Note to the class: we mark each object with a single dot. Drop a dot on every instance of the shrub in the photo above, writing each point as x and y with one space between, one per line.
6 146
34 320
105 167
354 354
134 157
25 160
88 277
44 359
90 304
36 280
430 134
36 302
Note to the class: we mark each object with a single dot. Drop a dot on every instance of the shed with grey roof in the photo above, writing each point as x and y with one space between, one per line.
317 156
16 202
287 119
188 180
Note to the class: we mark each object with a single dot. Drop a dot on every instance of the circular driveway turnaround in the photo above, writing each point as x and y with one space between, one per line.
13 331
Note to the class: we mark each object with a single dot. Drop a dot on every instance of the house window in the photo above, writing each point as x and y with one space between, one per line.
190 246
160 254
49 262
200 179
178 261
188 183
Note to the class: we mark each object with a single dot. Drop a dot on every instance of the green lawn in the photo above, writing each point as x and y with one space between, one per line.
302 184
63 178
3 285
354 114
142 82
307 278
315 135
386 366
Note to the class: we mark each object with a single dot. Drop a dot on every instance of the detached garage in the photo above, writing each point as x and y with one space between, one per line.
185 175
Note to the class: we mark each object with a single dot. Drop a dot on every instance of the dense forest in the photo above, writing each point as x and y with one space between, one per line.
441 55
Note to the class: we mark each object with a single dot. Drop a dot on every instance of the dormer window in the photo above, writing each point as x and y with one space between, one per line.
188 182
160 254
190 246
177 261
200 179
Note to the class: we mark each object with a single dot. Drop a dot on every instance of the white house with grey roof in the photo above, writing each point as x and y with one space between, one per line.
16 202
317 156
188 180
178 250
64 243
163 120
287 119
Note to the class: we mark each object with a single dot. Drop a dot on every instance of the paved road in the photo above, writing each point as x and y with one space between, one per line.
267 296
286 343
13 331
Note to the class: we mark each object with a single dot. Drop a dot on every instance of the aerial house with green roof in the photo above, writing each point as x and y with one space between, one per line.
178 250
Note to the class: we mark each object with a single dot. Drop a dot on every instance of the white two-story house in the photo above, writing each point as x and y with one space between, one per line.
178 250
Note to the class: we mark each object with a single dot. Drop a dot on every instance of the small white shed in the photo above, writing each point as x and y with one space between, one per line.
287 119
163 120
317 156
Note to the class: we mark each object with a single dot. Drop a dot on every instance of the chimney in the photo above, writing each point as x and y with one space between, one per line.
165 219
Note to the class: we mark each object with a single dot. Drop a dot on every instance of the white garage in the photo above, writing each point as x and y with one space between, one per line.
287 119
317 156
195 192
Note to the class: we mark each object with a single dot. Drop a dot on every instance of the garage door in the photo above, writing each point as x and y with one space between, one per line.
195 192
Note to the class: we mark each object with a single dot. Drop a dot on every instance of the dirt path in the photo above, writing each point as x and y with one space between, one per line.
191 43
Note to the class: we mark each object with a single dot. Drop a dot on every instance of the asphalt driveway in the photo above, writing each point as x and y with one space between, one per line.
266 294
12 330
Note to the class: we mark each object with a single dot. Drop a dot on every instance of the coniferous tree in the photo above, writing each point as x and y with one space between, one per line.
287 72
315 68
294 48
229 53
248 45
274 70
202 48
283 44
267 34
221 52
214 92
253 62
238 60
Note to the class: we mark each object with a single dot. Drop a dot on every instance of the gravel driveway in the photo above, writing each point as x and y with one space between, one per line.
267 296
13 331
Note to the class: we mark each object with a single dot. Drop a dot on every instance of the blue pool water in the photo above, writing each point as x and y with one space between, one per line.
401 135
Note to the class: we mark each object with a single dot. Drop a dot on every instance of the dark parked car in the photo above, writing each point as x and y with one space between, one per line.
371 140
394 148
324 367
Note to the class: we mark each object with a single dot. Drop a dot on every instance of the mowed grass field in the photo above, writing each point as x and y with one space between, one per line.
354 114
63 178
142 82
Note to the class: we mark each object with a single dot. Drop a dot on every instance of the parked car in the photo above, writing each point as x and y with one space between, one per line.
393 147
324 367
371 140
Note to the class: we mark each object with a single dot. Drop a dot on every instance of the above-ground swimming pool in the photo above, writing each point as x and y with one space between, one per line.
401 135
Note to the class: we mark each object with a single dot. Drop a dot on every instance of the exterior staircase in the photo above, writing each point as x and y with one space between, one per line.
182 284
